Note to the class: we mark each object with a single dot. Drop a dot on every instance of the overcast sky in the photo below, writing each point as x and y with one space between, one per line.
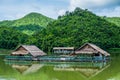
14 9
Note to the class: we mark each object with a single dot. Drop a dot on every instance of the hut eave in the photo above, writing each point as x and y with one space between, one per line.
20 53
63 48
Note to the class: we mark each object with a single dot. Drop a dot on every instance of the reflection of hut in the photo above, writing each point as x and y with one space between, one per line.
20 68
88 71
30 50
91 50
27 69
63 50
91 72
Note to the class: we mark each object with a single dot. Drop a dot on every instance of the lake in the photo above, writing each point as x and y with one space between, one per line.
14 70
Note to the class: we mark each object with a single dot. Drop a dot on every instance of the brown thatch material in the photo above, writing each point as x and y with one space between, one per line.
28 49
89 48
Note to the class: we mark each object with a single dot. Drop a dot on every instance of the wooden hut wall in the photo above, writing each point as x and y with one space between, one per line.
63 51
21 49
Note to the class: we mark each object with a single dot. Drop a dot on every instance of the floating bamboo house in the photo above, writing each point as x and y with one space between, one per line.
86 53
63 50
26 52
92 51
30 50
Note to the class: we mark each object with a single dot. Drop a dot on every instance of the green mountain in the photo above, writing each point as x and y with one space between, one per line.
115 20
29 23
33 19
76 28
72 29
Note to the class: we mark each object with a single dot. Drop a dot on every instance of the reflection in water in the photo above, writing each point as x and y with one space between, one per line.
62 70
88 70
26 69
20 68
57 70
3 78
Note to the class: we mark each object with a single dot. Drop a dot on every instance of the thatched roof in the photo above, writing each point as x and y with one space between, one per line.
33 50
95 49
67 48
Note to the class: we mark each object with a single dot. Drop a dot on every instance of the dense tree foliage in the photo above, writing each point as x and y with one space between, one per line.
76 28
29 23
28 29
10 38
115 20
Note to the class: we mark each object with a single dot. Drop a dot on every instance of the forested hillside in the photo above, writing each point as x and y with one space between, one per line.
9 38
76 28
72 29
29 23
115 20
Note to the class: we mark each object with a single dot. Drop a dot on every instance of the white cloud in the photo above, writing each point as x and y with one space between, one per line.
109 12
14 9
110 8
89 3
61 12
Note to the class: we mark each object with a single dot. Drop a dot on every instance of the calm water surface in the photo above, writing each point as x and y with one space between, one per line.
60 71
